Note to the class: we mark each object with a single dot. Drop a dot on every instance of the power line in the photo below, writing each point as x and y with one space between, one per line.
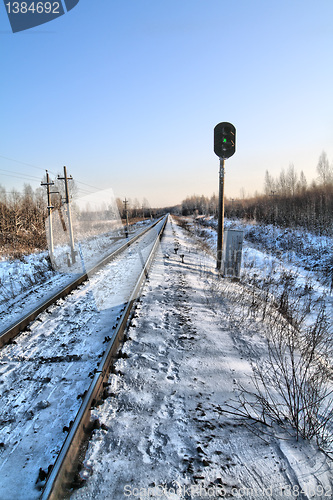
33 178
43 168
23 176
3 190
24 163
94 187
40 168
84 192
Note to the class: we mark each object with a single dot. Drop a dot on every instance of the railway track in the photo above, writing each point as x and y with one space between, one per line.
45 373
18 326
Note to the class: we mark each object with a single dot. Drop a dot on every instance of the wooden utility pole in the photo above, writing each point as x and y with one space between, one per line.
49 209
126 214
65 178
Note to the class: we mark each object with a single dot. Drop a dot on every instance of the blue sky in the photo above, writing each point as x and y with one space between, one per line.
126 93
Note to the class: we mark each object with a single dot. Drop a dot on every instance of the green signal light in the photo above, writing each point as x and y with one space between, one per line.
224 140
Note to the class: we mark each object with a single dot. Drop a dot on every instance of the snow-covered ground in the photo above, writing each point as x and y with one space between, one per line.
163 432
26 282
47 368
288 246
271 256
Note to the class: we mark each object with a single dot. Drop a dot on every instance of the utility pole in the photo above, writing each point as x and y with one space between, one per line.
126 214
49 209
71 235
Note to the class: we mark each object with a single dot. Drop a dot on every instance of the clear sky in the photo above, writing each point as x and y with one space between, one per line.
126 93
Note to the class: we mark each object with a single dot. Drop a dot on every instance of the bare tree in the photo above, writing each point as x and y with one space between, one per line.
302 183
270 184
291 179
324 170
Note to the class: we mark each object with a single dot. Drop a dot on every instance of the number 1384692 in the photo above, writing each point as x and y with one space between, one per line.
33 7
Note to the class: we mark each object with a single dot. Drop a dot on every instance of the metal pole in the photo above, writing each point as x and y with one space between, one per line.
220 216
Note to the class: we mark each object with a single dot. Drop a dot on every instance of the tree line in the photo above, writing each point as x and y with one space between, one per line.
22 220
23 215
287 201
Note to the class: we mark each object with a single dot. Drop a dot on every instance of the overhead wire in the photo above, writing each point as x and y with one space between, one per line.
94 187
24 176
85 190
31 177
24 163
20 177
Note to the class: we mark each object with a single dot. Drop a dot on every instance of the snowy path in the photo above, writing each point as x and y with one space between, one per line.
46 369
163 433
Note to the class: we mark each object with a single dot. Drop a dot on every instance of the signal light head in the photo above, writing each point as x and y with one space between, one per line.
224 140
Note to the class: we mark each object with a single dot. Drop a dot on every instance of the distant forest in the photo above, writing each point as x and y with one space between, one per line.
23 215
287 201
22 221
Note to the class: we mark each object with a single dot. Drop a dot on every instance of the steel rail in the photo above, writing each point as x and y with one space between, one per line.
13 330
61 477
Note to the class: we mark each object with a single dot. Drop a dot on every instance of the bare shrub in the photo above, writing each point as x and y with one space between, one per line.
292 386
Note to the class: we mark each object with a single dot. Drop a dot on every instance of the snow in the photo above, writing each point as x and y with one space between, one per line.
48 367
266 260
300 249
164 434
29 281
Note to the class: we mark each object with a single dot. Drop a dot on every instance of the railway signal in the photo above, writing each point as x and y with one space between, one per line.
224 147
224 140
